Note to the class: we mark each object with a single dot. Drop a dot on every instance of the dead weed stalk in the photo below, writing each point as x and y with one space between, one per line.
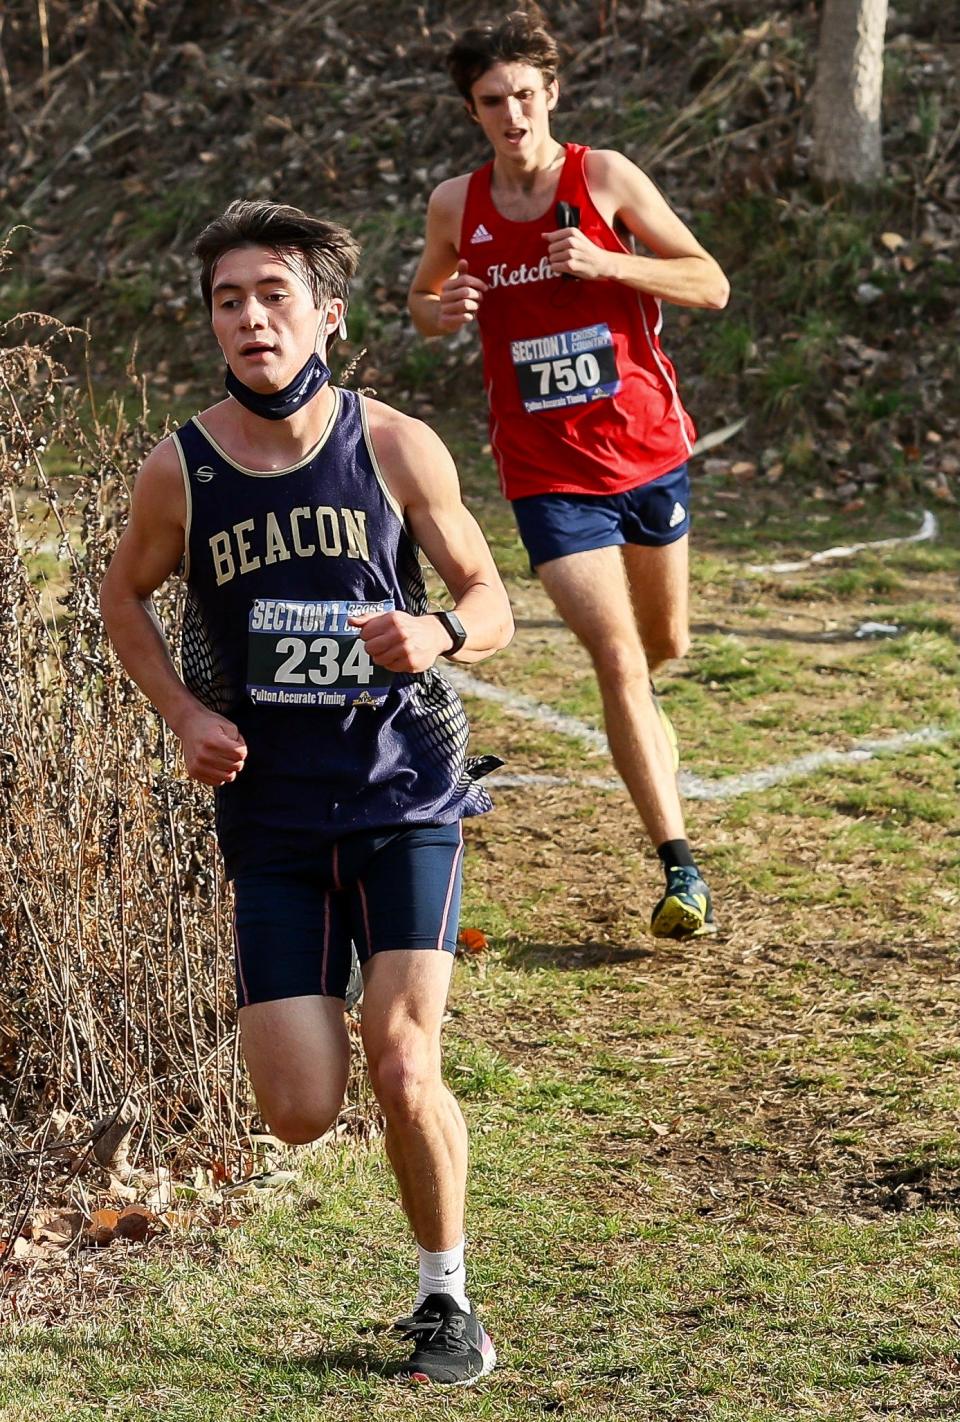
114 921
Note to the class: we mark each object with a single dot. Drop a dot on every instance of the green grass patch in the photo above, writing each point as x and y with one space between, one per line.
677 1208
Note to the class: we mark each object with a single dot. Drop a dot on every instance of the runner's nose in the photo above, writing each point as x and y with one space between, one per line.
253 316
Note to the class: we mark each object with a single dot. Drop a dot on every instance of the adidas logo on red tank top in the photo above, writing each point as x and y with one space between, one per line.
481 235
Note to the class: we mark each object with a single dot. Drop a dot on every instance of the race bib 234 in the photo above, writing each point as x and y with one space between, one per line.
307 654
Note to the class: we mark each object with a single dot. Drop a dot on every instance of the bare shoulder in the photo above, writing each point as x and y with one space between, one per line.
162 465
219 407
445 208
217 419
450 195
396 432
159 484
152 544
607 166
410 454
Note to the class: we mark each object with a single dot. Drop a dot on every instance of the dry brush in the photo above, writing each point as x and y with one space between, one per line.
115 966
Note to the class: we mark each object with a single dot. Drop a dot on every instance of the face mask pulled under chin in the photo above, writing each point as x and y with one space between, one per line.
281 404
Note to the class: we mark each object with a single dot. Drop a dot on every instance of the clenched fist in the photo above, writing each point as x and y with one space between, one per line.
460 298
213 748
400 642
573 254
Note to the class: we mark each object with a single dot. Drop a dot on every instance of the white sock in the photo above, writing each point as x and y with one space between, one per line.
443 1273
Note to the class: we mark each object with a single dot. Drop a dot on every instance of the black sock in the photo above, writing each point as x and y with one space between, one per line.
675 854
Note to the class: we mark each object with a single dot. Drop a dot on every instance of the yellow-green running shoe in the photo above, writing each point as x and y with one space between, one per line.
686 909
668 729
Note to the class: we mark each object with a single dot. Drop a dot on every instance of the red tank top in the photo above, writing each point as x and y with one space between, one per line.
582 398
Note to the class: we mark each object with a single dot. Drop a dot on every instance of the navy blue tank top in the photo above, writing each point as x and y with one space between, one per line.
275 566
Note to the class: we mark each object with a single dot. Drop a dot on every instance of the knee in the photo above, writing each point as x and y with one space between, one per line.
619 662
300 1122
667 647
404 1081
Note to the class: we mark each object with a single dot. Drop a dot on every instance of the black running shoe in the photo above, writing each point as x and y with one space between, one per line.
685 910
450 1345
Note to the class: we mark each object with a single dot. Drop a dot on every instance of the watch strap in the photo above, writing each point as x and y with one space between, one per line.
452 625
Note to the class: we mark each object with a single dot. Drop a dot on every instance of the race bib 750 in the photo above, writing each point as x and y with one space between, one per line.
567 368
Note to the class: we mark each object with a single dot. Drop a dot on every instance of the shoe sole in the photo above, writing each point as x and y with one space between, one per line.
489 1355
677 919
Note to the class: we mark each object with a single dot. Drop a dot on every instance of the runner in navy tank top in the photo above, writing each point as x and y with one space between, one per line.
586 422
276 566
311 701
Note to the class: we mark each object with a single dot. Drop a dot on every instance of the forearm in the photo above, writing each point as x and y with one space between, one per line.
133 629
487 620
686 281
424 308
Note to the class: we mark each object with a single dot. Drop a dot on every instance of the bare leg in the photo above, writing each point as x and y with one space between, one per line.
298 1055
591 593
404 997
659 591
658 580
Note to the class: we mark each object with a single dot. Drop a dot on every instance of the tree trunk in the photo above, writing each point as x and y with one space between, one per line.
846 100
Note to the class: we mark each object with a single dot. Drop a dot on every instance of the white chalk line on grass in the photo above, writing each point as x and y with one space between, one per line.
692 787
696 787
929 529
527 707
733 785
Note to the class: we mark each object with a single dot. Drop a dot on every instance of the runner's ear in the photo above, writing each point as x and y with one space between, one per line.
336 323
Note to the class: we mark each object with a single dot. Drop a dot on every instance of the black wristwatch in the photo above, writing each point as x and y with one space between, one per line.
451 623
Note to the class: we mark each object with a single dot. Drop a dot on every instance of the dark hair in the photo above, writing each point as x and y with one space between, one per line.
520 38
329 253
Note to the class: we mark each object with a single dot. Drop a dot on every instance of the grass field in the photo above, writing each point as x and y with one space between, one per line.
715 1181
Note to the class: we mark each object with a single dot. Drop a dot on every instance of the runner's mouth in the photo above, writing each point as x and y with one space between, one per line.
256 348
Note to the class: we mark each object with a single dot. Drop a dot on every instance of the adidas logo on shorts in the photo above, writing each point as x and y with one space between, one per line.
481 235
678 515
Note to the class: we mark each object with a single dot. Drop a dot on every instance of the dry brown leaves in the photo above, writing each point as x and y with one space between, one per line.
56 1228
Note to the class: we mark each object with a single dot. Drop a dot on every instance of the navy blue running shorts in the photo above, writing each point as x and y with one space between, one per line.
380 889
555 525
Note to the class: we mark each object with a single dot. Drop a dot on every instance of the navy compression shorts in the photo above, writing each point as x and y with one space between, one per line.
654 514
379 889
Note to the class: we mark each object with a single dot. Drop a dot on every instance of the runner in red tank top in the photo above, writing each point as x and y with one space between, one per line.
582 397
586 423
